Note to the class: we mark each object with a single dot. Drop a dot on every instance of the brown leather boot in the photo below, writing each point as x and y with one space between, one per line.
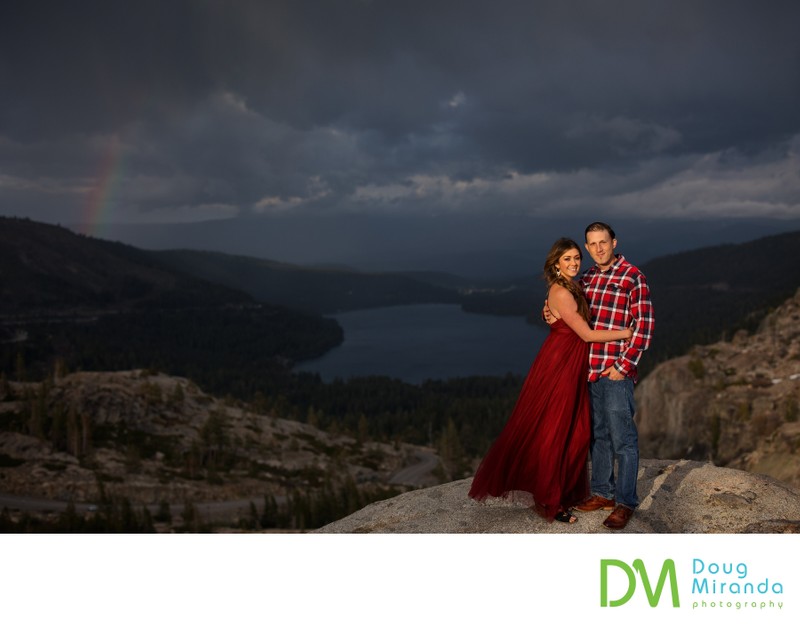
618 518
594 503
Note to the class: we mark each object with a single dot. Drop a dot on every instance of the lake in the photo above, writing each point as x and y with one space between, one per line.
419 342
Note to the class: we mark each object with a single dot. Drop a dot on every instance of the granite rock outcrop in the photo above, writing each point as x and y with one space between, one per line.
734 403
155 438
676 497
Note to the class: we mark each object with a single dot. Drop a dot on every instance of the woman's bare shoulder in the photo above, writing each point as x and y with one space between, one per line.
557 291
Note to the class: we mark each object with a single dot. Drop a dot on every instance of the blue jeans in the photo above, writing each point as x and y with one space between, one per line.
614 436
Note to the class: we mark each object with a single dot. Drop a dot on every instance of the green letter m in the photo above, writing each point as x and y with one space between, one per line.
667 569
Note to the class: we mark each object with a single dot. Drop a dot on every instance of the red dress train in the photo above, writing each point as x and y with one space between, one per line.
541 454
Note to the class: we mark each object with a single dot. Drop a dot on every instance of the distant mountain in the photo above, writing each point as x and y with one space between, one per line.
515 297
49 268
98 305
440 279
322 290
705 295
474 245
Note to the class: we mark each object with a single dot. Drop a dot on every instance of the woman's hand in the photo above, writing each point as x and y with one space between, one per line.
547 315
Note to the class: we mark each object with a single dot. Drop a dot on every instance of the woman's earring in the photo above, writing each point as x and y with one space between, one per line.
558 272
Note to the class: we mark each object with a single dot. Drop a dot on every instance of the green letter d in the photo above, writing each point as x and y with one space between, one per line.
604 602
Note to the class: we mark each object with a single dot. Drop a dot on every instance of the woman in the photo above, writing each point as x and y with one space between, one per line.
540 456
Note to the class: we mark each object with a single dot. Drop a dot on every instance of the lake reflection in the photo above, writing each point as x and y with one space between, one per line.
419 342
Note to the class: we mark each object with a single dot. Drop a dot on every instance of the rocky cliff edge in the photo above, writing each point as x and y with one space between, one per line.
735 403
676 497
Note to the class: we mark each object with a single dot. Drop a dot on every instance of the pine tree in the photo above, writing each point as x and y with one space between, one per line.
191 518
270 518
58 437
363 429
451 451
59 368
133 460
178 396
6 522
147 525
86 435
254 520
69 521
5 387
20 373
73 432
37 413
164 514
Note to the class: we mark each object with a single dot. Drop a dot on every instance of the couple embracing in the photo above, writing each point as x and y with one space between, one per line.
600 323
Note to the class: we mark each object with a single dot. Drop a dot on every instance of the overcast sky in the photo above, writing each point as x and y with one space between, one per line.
187 110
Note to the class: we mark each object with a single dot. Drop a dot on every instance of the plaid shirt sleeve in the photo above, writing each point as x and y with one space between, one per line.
619 298
643 322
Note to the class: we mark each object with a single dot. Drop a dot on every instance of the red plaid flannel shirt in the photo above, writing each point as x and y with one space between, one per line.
618 298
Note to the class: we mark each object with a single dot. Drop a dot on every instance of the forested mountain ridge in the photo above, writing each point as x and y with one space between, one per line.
321 290
97 305
702 296
46 268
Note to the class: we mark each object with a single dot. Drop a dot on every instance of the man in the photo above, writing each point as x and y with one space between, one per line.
618 297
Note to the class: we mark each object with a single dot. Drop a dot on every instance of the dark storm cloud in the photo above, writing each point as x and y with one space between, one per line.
244 107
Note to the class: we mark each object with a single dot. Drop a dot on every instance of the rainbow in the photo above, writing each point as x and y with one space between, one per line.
100 198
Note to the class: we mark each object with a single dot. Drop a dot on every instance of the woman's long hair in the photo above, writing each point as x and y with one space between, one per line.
551 276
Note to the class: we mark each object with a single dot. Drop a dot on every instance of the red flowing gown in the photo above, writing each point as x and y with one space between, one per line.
541 454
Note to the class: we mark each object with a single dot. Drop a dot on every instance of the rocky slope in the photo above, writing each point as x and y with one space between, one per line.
151 438
676 497
734 403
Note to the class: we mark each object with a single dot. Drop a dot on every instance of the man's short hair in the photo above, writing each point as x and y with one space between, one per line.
598 226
